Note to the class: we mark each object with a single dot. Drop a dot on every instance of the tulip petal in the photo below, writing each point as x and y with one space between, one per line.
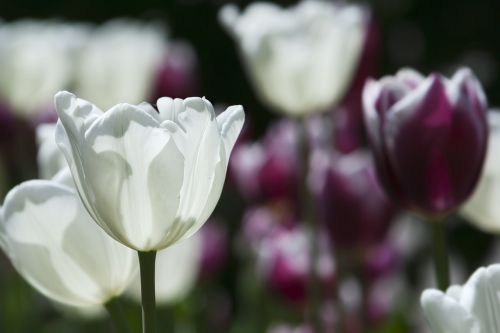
55 246
230 124
445 315
143 170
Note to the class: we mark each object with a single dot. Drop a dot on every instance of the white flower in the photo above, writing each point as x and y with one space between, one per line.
36 61
177 269
471 308
119 62
53 243
483 209
300 59
148 178
50 159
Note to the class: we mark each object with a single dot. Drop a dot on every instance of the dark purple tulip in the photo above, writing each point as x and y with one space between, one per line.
353 207
267 169
284 262
429 137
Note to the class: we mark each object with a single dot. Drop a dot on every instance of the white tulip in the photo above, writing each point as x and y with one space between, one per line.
300 59
50 159
148 178
36 61
471 308
177 269
119 62
53 243
483 209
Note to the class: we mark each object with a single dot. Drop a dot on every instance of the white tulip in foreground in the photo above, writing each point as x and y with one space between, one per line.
53 243
483 208
300 59
471 308
149 178
177 269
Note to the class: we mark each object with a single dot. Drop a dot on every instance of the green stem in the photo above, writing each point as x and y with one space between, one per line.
440 254
114 309
309 216
147 268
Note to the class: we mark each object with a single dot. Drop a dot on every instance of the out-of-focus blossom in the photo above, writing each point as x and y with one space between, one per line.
470 308
119 63
214 248
149 178
429 137
262 222
483 208
284 262
53 243
177 76
284 328
348 117
381 260
353 206
300 59
36 61
268 169
176 271
50 159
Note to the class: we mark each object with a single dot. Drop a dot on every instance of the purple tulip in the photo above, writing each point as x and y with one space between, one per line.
353 207
267 169
429 137
284 262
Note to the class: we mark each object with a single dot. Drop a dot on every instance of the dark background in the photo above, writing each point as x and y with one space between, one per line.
424 34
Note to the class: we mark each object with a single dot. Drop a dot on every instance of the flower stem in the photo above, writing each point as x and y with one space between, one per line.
309 216
114 309
147 268
440 254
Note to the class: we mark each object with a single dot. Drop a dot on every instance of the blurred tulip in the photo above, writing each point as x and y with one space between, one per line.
176 76
36 61
470 308
353 206
283 328
50 159
176 271
149 178
119 62
348 117
268 169
284 262
53 243
482 208
429 137
300 59
214 248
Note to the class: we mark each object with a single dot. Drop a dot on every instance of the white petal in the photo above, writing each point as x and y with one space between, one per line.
54 245
446 315
230 124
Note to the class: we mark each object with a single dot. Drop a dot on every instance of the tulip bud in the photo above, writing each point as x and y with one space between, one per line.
53 243
149 178
300 59
429 137
354 209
